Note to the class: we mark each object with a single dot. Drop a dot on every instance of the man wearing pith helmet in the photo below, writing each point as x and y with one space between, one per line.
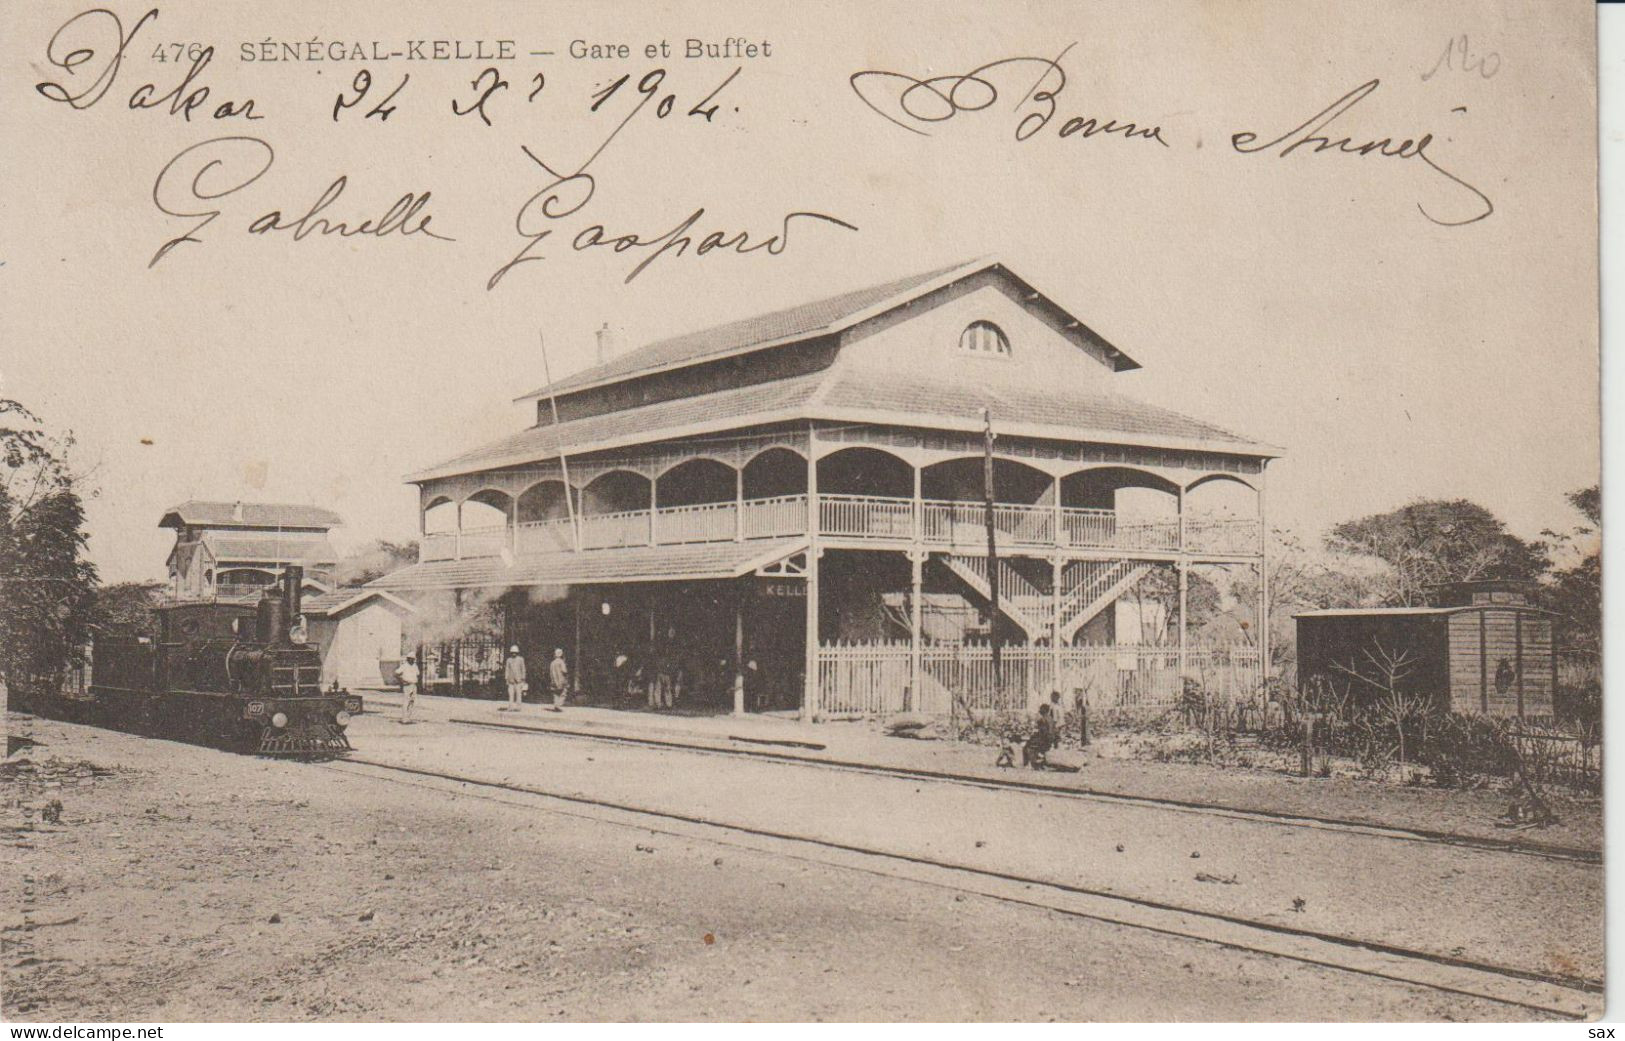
513 670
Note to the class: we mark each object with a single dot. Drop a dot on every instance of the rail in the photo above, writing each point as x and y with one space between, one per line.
938 523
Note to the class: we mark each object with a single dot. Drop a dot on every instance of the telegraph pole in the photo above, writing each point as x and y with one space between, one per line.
992 549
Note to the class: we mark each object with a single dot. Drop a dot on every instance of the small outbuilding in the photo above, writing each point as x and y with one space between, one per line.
1481 648
359 633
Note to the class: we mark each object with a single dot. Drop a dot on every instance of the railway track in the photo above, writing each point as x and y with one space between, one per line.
1444 838
1561 996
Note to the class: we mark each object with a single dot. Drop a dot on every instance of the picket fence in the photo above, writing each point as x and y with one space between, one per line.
874 679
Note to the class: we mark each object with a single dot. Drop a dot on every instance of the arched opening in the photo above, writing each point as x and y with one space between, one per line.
1221 515
1221 495
618 491
865 471
615 510
543 502
240 580
694 482
1122 507
1117 488
440 517
961 480
544 519
775 472
486 509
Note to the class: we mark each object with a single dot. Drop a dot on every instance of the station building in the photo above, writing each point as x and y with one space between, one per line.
786 512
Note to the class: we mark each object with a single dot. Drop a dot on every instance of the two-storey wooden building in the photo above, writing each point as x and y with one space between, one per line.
802 490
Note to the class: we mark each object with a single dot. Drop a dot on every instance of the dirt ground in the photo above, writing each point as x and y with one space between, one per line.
1115 763
152 881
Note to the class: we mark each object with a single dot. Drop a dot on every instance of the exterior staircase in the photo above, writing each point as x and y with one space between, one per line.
1087 588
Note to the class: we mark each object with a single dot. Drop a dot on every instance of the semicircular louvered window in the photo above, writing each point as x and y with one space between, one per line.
984 338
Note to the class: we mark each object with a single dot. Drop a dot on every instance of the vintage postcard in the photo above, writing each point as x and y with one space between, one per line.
708 511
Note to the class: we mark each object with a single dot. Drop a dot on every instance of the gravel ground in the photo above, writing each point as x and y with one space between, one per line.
176 883
1529 913
1112 767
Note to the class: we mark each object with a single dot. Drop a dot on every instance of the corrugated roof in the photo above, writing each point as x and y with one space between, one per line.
253 515
1076 411
272 547
638 564
803 320
916 397
737 405
1399 612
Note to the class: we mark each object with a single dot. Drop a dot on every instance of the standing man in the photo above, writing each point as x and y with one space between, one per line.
513 671
558 678
407 673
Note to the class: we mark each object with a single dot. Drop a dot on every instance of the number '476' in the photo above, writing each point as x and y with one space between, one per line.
167 52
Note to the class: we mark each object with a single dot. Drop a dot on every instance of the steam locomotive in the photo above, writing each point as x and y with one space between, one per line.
236 674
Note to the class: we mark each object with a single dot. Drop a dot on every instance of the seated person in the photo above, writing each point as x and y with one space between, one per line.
1036 750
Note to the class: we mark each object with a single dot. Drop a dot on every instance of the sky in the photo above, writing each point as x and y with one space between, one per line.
1306 300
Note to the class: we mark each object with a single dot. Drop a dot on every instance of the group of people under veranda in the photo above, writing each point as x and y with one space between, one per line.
513 674
518 683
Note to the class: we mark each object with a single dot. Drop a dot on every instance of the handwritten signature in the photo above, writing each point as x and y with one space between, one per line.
223 166
1312 132
567 194
911 102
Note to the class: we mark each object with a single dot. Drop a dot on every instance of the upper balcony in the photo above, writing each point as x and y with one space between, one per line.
882 521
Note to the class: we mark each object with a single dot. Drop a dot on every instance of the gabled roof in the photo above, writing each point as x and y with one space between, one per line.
203 513
338 601
819 318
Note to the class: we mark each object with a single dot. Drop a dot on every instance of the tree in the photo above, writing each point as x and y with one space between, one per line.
1574 592
375 560
1156 600
1433 541
127 606
46 585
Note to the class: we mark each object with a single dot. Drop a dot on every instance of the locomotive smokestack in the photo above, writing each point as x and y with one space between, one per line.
293 577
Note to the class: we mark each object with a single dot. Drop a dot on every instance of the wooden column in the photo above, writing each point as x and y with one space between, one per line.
739 504
918 508
575 666
739 647
1179 501
654 505
1263 583
1183 583
1057 573
809 686
916 562
1057 537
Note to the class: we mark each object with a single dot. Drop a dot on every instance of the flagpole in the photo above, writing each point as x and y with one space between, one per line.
564 462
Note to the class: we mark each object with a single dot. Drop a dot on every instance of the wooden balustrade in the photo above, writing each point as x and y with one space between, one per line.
856 517
704 522
774 518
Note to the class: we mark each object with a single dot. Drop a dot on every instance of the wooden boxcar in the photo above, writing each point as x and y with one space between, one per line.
1480 648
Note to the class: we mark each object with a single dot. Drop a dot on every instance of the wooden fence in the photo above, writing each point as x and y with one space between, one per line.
876 679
